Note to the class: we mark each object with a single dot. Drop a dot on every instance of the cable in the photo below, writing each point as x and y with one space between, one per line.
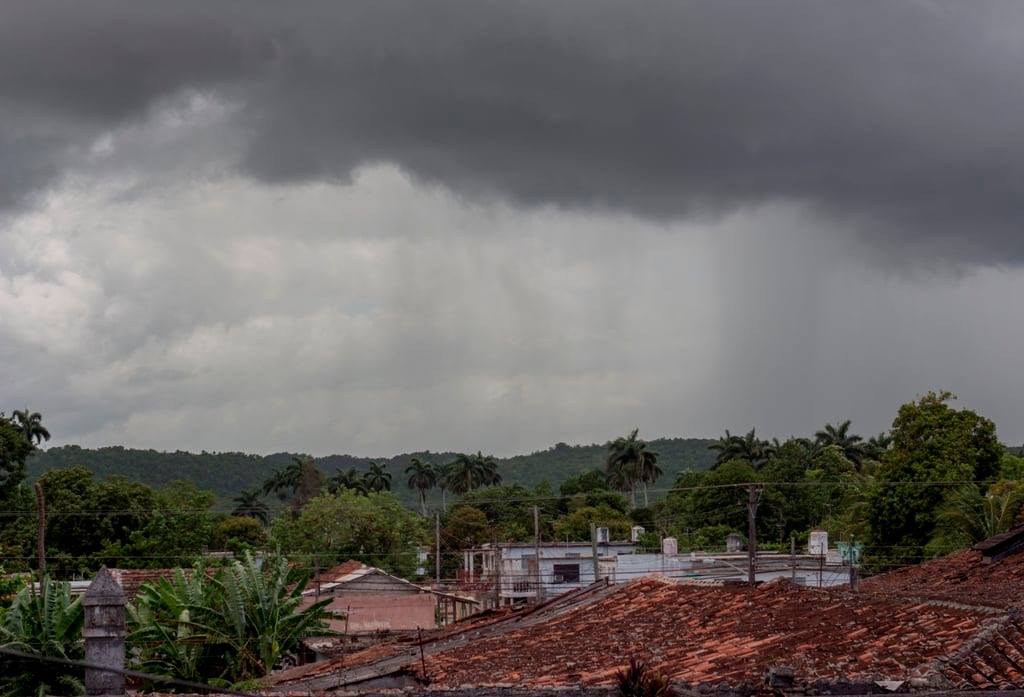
85 665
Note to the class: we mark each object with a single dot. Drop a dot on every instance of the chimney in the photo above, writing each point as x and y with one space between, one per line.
669 546
817 543
733 542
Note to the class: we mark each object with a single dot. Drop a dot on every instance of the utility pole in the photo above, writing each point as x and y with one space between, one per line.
41 532
437 548
593 548
753 491
792 558
497 574
536 548
854 580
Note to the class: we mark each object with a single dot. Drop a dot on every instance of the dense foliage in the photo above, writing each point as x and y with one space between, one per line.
228 474
372 528
45 623
233 625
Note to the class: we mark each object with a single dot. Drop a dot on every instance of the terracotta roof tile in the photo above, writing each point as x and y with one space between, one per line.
963 577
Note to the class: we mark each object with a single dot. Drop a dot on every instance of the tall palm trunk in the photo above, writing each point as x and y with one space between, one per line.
444 501
423 502
644 485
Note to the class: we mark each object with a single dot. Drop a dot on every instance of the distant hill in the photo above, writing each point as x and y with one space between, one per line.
228 473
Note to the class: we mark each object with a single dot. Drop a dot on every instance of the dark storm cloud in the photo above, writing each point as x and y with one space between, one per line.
900 121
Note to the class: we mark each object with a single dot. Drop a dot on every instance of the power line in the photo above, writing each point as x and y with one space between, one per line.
529 499
55 660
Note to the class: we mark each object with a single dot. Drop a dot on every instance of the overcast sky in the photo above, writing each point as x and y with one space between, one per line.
377 227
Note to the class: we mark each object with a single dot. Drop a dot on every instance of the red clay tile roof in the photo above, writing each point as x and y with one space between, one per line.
711 637
962 577
717 637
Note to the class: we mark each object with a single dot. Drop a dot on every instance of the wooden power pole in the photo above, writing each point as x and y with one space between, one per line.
437 548
753 492
593 548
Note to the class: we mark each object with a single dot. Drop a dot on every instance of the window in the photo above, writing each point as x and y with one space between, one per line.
567 573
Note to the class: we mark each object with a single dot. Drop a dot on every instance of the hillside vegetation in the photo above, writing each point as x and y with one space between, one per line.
228 473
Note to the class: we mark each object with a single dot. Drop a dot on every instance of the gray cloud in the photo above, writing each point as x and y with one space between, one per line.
898 122
373 227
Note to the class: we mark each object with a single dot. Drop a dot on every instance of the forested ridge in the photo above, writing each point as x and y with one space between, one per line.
227 473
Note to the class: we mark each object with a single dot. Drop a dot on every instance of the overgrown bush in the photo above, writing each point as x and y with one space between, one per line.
639 680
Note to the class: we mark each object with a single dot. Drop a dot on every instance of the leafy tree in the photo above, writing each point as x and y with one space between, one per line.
239 533
238 624
422 478
1011 467
708 538
14 448
374 529
585 482
933 444
377 479
611 499
250 504
48 623
575 527
466 527
176 533
721 500
31 425
507 509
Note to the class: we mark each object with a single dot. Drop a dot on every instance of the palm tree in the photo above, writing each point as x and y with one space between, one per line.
249 504
347 479
285 481
377 479
444 479
970 516
724 447
422 477
300 479
839 436
747 447
469 472
31 425
629 462
462 477
877 445
487 469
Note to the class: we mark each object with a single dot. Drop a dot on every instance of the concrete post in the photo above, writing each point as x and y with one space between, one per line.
104 634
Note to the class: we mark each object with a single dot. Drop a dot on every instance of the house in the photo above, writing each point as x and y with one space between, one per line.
368 600
566 566
951 624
